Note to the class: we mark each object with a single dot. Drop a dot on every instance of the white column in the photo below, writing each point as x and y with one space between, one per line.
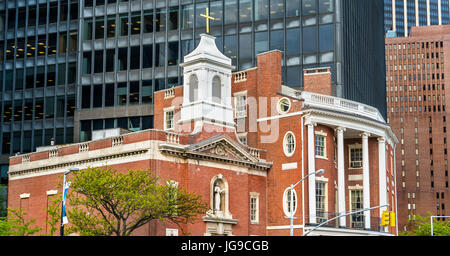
366 177
382 172
311 178
428 13
341 175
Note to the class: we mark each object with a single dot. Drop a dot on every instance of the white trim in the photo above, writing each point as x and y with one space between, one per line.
285 209
283 227
24 195
167 110
171 232
321 134
289 166
355 177
254 195
285 144
263 119
52 192
152 154
279 106
350 147
241 93
321 179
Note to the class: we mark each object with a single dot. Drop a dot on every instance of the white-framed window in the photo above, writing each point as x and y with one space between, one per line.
289 206
254 208
240 104
357 220
284 105
289 144
168 119
321 201
242 138
355 155
320 146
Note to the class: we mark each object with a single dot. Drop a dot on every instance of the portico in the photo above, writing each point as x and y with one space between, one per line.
349 123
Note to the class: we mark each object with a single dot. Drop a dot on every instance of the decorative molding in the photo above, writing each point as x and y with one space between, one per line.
44 169
221 149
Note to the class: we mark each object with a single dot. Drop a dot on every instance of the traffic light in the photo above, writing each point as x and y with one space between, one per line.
392 219
385 218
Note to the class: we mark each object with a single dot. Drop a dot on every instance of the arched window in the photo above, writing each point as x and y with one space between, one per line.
193 88
289 202
289 144
216 90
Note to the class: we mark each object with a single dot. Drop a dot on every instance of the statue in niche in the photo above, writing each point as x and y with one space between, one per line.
219 196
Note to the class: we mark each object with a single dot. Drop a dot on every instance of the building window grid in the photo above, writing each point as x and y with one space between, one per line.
29 139
254 208
284 19
357 220
168 120
223 8
320 146
321 211
356 157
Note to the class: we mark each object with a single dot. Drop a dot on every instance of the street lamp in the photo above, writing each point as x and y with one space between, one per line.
320 171
431 220
64 194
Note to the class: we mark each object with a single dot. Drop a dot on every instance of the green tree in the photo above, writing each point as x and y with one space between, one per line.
3 200
422 227
104 201
54 213
16 225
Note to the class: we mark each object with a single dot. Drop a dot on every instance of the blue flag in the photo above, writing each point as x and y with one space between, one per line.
64 216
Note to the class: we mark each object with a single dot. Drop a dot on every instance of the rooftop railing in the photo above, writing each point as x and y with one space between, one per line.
339 104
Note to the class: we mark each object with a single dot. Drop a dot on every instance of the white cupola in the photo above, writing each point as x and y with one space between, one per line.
207 86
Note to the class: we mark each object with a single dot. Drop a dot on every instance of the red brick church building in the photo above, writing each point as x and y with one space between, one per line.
240 140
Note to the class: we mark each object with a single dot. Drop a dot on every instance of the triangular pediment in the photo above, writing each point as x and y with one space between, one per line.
222 146
219 148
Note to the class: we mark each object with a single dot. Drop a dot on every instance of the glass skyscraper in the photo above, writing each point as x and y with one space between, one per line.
400 17
69 67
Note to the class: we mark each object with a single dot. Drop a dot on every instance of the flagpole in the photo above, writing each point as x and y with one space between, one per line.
63 205
61 231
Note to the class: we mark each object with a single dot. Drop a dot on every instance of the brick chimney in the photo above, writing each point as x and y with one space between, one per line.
318 80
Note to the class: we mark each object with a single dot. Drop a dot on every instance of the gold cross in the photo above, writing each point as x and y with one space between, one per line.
207 17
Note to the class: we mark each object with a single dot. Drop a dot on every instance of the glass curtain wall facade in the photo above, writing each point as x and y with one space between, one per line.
38 60
131 49
416 12
73 66
361 64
